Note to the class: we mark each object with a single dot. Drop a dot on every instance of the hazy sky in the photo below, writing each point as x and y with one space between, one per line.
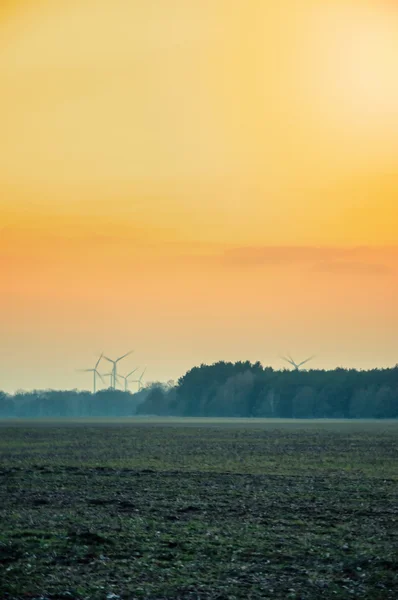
197 180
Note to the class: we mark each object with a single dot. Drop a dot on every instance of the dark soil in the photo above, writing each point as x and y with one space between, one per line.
92 513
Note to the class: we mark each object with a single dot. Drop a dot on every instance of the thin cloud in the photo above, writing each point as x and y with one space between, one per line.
285 255
352 268
360 260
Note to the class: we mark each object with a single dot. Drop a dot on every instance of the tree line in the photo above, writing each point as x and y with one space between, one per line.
244 389
70 403
225 389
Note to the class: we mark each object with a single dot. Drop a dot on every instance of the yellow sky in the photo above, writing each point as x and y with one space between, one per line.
193 147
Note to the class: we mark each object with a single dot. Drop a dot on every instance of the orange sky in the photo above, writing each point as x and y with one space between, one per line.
197 181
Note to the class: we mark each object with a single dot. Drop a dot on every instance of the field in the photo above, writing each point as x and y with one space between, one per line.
197 509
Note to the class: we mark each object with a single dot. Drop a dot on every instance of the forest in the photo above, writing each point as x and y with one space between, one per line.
244 389
225 389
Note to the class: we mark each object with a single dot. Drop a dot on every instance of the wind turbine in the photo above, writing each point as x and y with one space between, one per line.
95 373
126 379
296 366
139 380
114 362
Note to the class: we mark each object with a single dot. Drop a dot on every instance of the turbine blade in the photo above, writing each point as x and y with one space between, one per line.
131 373
99 360
100 376
306 360
288 360
109 359
124 355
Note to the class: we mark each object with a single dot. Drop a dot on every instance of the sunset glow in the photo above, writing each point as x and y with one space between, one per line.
198 181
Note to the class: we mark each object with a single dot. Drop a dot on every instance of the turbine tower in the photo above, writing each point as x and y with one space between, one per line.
139 380
95 373
126 379
296 366
110 375
114 362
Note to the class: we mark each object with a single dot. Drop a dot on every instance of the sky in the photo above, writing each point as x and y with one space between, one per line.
197 181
